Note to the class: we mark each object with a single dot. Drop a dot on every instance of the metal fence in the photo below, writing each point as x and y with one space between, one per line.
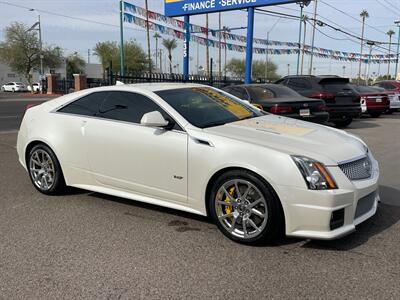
65 86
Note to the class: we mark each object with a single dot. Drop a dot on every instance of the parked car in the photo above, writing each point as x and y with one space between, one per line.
377 101
392 88
36 87
199 149
342 103
281 100
14 87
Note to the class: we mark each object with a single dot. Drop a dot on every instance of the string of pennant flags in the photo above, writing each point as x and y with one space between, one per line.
131 13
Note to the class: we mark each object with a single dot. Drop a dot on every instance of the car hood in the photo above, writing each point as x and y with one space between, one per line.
328 145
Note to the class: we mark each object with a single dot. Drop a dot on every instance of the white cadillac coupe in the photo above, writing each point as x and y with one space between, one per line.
198 149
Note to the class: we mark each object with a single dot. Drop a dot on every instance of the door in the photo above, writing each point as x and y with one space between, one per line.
126 155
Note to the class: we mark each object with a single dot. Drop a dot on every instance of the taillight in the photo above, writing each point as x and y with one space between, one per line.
321 107
322 95
280 109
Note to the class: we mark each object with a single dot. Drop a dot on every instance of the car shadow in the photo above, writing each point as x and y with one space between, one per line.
387 215
363 123
152 207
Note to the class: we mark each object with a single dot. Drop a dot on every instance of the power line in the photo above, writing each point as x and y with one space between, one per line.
346 14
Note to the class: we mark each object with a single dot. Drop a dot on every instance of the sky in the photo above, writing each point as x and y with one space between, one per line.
77 25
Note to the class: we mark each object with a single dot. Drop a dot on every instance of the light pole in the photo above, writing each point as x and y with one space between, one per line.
219 46
156 36
40 42
288 69
390 33
344 71
370 44
398 49
313 37
148 34
302 4
364 14
266 56
305 18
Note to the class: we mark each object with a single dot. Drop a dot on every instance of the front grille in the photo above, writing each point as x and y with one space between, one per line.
357 169
365 204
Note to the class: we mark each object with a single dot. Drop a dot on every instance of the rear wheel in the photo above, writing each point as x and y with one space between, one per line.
375 114
45 170
245 208
343 123
390 111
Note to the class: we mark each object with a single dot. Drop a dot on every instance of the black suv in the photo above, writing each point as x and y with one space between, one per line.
342 102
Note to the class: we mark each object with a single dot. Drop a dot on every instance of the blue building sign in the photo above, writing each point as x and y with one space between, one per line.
175 8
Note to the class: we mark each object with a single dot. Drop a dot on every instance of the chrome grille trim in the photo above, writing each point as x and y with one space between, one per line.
357 169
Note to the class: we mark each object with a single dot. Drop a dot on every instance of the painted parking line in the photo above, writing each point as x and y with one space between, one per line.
9 117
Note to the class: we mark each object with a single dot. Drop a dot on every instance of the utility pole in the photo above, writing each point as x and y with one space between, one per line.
121 33
219 48
148 34
207 49
313 37
88 56
40 43
398 49
364 14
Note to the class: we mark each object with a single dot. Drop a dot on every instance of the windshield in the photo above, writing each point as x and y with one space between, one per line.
206 107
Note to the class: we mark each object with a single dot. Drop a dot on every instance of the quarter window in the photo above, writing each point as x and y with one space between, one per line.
87 106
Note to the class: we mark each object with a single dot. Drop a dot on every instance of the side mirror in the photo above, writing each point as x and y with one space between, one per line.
153 119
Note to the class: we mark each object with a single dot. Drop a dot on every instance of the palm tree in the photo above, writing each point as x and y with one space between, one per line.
390 33
364 15
169 44
156 36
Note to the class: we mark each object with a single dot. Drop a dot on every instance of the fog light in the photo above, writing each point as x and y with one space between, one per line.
337 219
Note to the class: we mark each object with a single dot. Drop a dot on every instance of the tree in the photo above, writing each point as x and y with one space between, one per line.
135 57
169 44
21 51
75 65
236 67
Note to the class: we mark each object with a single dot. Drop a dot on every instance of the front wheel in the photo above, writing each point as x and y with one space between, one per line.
45 170
245 208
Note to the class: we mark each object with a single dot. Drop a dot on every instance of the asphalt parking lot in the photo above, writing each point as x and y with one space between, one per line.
89 245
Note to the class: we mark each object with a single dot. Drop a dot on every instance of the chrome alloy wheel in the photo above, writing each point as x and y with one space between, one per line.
241 208
41 168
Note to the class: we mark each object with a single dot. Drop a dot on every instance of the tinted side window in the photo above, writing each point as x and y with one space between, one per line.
87 106
298 84
389 86
128 107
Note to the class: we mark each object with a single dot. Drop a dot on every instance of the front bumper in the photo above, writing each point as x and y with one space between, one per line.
310 214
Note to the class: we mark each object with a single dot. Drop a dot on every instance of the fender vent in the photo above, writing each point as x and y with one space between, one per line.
203 142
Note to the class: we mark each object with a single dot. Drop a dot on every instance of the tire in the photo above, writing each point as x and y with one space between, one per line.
390 111
268 217
45 171
375 114
343 123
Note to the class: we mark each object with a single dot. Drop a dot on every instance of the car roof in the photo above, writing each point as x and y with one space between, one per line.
159 86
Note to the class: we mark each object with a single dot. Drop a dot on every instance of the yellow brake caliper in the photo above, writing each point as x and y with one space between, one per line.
229 209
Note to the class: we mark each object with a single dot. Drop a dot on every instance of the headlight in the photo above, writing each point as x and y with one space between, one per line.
315 174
